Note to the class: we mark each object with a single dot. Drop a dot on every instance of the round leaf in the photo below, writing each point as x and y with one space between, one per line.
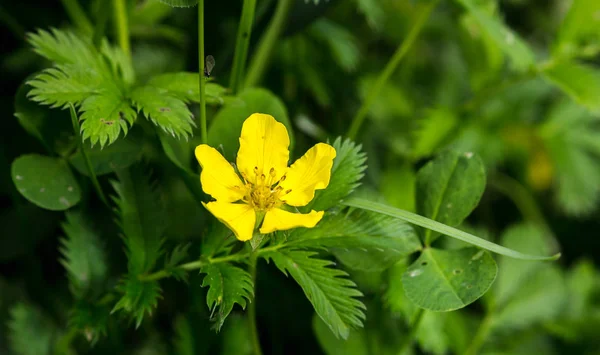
226 128
45 181
445 280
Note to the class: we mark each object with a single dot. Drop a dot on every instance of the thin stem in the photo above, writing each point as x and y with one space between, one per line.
252 308
201 80
414 326
86 159
77 15
122 26
241 45
262 56
482 332
391 66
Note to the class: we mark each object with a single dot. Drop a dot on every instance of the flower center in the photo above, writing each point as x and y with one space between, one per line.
265 193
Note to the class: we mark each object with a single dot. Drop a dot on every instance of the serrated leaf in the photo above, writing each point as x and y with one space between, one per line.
348 168
119 62
105 116
228 285
449 188
139 298
168 112
30 331
91 319
517 50
361 240
179 253
445 280
142 218
45 181
62 47
227 124
64 84
184 86
180 3
83 254
331 293
580 81
117 156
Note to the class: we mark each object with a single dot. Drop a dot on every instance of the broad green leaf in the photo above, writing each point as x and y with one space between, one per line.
346 173
579 27
180 3
445 280
138 298
227 125
236 337
356 344
228 285
330 292
117 156
442 228
104 116
83 255
184 86
30 332
517 50
168 112
433 129
580 81
449 188
45 181
141 213
361 240
183 341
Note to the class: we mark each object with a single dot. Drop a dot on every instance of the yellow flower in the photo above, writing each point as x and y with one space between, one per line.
267 184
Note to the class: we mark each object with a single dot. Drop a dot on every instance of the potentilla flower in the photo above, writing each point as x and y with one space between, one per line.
266 189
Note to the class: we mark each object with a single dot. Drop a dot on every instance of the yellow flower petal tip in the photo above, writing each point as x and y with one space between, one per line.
265 183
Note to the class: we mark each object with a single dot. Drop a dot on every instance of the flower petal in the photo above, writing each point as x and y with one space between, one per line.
309 173
278 219
218 178
240 218
264 144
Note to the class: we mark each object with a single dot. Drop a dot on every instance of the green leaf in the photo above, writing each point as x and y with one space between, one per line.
357 343
91 319
45 181
177 150
180 3
442 228
445 280
142 218
433 130
184 86
398 186
361 240
119 62
139 298
236 337
519 53
330 292
348 168
227 125
30 332
449 188
118 156
579 28
179 253
373 11
83 255
165 111
64 84
62 47
228 285
341 42
183 341
580 81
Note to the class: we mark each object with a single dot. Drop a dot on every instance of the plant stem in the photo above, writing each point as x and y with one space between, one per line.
391 66
12 24
86 159
482 332
414 326
252 308
261 57
241 45
201 80
122 26
77 15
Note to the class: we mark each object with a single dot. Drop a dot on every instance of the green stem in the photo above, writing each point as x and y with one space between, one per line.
482 332
77 15
201 80
414 326
252 308
122 26
241 45
391 66
261 57
86 159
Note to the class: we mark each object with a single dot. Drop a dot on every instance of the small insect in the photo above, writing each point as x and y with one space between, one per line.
209 64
